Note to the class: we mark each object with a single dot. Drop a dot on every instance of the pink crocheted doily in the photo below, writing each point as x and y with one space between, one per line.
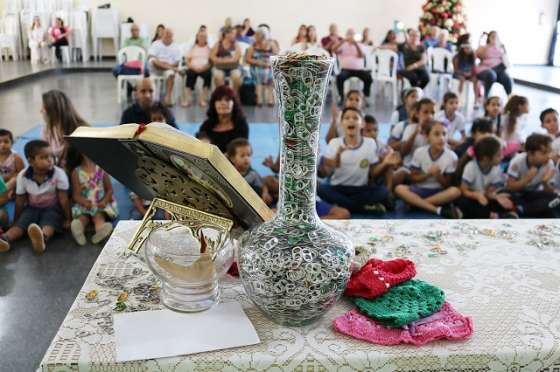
445 324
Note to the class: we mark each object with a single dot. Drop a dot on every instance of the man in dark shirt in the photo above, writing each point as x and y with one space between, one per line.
139 112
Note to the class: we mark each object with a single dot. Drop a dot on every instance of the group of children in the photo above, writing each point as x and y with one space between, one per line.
48 198
431 164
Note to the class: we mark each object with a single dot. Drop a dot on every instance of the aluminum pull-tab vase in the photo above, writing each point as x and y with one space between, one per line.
294 267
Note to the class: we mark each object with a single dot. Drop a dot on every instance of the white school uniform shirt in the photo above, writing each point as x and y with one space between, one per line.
354 163
422 160
479 181
519 166
419 141
457 124
556 146
42 195
394 118
398 129
165 53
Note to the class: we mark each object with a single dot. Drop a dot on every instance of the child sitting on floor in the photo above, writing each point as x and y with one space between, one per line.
493 111
482 181
414 137
92 193
354 99
10 162
409 98
529 178
432 168
549 121
480 128
515 108
388 158
42 205
161 114
351 160
453 120
239 152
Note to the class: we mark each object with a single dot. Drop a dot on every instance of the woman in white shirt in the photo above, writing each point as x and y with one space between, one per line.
198 65
37 42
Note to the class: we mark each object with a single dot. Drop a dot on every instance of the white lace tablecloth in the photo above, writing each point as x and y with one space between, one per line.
505 274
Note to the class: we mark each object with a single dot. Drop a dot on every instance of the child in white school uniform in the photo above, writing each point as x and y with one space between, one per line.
530 176
452 118
432 168
409 98
483 182
354 99
549 121
352 161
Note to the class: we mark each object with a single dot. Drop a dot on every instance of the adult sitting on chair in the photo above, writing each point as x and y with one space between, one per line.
352 62
198 65
414 57
37 43
492 67
132 67
164 57
225 56
58 37
135 39
139 112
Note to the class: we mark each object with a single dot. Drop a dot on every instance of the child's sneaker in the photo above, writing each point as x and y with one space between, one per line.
450 211
103 233
37 239
4 245
375 208
77 230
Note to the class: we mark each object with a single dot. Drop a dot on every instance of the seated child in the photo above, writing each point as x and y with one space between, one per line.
239 152
515 108
529 179
409 98
389 159
355 99
493 111
432 168
161 114
3 201
92 193
480 128
351 160
42 204
414 137
549 121
10 162
453 120
482 181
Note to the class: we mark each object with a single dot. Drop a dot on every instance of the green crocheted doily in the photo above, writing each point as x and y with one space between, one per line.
403 304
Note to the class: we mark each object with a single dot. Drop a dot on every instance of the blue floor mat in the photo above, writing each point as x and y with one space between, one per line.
264 138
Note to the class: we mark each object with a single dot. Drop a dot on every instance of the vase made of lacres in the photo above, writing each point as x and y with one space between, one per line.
188 266
294 267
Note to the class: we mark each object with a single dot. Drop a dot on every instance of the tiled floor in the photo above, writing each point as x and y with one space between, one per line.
37 291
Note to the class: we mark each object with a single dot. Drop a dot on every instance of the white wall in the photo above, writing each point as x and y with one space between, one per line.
525 26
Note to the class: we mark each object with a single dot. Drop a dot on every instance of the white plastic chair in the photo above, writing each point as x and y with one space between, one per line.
385 70
10 36
131 53
79 35
105 25
441 72
353 83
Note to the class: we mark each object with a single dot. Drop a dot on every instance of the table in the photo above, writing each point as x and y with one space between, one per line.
503 273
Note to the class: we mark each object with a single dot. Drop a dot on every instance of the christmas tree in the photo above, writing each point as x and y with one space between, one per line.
445 14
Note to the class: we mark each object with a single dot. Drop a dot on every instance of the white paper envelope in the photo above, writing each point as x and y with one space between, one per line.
165 333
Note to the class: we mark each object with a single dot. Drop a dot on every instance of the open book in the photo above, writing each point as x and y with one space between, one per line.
159 161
